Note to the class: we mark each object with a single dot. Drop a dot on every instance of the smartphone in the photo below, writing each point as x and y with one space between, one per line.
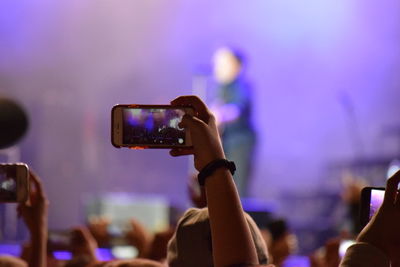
14 182
149 126
371 200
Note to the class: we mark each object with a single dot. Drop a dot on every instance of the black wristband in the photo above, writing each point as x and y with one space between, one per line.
214 165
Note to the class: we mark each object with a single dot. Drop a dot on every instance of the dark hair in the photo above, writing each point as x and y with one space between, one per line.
13 122
277 228
238 54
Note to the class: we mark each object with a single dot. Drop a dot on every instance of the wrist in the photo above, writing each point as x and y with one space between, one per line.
213 166
39 231
42 234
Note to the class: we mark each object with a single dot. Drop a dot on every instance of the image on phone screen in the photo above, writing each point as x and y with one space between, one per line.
8 184
376 201
157 126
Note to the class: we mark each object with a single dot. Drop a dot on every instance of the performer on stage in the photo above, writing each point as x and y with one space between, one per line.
232 108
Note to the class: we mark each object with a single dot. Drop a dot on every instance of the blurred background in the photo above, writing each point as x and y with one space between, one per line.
326 90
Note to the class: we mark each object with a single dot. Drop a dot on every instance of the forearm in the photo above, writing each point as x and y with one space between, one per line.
39 247
231 237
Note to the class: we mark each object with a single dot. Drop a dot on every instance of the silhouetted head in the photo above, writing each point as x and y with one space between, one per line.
13 122
191 244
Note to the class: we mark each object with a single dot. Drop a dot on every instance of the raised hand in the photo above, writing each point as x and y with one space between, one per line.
98 227
35 211
203 130
139 237
83 243
383 230
35 215
231 237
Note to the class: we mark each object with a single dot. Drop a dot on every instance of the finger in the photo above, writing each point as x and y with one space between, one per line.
77 235
176 152
81 233
391 189
191 122
104 220
38 184
135 223
196 103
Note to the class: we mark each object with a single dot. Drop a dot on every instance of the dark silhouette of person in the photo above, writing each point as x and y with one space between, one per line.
13 122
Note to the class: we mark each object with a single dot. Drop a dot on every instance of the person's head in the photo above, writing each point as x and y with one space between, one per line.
191 244
228 64
13 122
9 261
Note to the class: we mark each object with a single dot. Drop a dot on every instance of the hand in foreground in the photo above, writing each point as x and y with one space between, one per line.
139 237
232 242
383 230
98 227
203 131
159 246
83 243
34 213
328 256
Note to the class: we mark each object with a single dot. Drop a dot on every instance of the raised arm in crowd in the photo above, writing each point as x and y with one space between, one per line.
232 242
378 244
35 215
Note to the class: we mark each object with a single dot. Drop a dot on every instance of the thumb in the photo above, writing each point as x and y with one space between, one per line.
191 122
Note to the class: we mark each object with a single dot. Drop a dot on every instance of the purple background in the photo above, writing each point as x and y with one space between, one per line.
317 67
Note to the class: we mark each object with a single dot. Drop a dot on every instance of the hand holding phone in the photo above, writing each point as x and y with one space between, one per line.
371 200
204 133
35 215
83 243
34 212
383 230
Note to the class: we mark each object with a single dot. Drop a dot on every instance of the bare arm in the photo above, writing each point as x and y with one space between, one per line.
35 217
231 239
379 240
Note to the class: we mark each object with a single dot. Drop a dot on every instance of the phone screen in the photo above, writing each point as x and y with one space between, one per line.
153 126
376 201
371 200
8 183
